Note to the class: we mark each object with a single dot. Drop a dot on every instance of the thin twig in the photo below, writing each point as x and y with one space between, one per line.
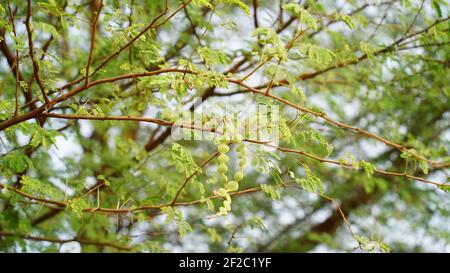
94 28
16 91
31 49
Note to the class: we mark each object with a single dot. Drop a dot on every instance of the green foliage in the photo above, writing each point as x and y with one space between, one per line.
307 136
368 167
174 215
311 182
317 54
16 162
372 245
348 20
36 187
76 206
356 90
212 57
44 137
303 15
238 3
182 159
272 191
265 161
273 46
202 3
444 187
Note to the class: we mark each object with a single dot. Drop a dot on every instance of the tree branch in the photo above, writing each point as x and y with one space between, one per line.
31 49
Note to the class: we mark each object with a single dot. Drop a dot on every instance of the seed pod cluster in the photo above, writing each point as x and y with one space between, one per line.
226 203
223 160
222 168
239 175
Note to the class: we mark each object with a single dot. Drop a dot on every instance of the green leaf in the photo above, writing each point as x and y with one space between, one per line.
272 191
205 3
265 161
302 14
273 46
444 187
256 222
125 66
16 161
210 204
319 55
183 228
48 28
311 182
369 168
348 20
238 3
172 214
44 137
77 206
183 160
437 7
424 166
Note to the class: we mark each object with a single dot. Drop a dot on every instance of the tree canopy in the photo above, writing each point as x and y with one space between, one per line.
224 125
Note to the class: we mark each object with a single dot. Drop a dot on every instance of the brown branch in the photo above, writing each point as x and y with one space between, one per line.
52 38
154 142
153 24
40 110
377 27
94 28
323 116
62 241
130 118
388 48
346 164
31 49
359 198
174 201
255 13
282 149
14 68
415 18
233 233
193 26
16 91
339 124
45 217
57 205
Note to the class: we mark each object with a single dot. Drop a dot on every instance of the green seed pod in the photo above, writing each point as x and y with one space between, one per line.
223 148
222 168
228 198
238 176
238 138
243 162
241 152
232 186
222 192
240 147
223 159
227 205
223 178
223 211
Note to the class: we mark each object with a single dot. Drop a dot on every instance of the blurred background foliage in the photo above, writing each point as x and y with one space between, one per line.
382 66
